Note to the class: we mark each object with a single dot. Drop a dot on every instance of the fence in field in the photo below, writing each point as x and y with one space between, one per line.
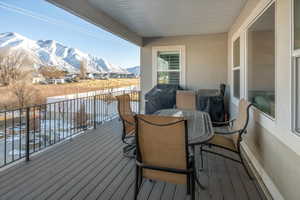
28 130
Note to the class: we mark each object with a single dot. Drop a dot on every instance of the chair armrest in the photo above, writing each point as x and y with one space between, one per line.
127 122
227 123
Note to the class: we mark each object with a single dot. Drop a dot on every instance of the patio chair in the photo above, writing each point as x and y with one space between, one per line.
127 118
186 99
162 152
229 134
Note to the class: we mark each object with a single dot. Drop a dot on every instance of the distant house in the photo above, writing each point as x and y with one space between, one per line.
56 81
113 75
90 75
37 78
71 76
131 75
100 76
118 75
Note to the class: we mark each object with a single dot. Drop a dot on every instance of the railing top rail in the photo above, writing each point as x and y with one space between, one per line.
64 101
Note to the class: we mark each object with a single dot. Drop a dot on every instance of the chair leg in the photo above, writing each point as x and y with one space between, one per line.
201 157
195 177
245 167
141 177
137 180
193 191
188 185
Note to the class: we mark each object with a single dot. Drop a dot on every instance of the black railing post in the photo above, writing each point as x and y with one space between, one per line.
27 133
139 93
95 114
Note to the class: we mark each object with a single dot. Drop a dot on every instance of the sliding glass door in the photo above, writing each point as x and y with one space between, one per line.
296 71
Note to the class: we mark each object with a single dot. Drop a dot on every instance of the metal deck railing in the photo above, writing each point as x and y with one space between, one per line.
25 131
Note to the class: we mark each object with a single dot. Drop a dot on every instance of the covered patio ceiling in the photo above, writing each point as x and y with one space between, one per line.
135 19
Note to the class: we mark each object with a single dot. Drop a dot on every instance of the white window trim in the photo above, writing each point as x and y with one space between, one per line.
265 118
181 49
235 100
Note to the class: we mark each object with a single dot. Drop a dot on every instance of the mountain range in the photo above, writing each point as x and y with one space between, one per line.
53 53
134 70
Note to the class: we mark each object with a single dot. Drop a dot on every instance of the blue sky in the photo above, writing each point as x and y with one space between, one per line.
38 19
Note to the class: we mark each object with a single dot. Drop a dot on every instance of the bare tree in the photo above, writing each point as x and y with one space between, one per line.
34 123
81 118
11 67
109 98
25 93
50 72
83 70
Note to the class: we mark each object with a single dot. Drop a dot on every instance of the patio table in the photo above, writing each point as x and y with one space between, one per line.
199 124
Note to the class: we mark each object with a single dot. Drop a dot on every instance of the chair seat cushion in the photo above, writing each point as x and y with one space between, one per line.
223 129
223 141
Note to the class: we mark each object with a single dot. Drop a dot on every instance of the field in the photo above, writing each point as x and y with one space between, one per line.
9 100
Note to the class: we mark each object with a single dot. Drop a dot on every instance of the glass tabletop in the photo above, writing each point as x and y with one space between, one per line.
199 124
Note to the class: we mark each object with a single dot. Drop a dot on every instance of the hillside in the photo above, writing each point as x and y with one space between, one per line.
53 53
134 70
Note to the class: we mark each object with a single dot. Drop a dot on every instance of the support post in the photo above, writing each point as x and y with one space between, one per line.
27 133
95 114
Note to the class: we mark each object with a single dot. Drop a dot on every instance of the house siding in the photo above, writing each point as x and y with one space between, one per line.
273 144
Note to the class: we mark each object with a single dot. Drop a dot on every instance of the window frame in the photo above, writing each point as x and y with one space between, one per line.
182 65
295 114
295 56
235 68
266 115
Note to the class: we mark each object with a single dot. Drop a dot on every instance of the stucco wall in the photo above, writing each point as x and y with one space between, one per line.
273 144
206 60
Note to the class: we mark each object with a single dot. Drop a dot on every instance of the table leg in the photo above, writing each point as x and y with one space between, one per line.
196 176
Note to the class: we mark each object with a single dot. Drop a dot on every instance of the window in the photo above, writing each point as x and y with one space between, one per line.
296 71
296 24
236 83
236 68
261 62
297 93
168 65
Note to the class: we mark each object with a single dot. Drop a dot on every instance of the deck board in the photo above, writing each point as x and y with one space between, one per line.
157 191
36 178
168 192
91 166
120 192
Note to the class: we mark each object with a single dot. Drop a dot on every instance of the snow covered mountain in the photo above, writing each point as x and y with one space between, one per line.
52 53
134 70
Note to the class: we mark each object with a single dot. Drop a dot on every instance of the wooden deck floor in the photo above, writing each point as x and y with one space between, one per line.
91 166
